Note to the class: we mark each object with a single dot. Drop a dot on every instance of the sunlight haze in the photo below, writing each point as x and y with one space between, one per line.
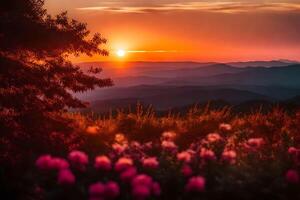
178 30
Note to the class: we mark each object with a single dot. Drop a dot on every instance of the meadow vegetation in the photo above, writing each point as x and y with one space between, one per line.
205 154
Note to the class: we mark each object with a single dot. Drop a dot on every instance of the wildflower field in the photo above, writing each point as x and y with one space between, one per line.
205 154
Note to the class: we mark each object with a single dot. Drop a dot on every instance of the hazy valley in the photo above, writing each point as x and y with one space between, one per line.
170 85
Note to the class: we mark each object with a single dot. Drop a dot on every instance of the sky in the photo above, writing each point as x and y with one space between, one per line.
190 30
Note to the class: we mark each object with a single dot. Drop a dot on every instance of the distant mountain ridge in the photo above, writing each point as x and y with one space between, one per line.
275 76
169 84
169 97
173 69
220 74
273 63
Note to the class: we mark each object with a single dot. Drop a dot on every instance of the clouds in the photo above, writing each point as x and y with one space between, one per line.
176 5
193 30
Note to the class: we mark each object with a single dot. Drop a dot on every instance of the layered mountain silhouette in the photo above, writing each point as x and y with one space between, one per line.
276 76
171 84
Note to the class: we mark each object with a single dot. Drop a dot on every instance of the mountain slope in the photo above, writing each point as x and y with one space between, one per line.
287 76
272 63
162 97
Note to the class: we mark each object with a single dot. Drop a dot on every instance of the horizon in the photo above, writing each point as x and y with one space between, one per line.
185 30
190 61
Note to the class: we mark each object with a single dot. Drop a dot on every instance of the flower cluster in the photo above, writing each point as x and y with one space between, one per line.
110 190
150 170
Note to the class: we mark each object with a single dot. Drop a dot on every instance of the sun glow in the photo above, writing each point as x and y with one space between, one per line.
120 53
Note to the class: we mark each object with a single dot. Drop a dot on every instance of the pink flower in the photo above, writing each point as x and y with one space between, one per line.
141 192
150 163
156 190
169 136
207 154
78 158
96 190
229 156
46 162
186 170
135 145
148 145
143 186
102 163
184 156
119 148
142 179
225 127
295 153
195 184
190 151
65 177
255 142
112 190
293 150
168 145
59 163
213 137
128 174
123 163
292 176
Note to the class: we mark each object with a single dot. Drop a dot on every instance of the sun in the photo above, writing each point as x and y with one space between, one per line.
120 53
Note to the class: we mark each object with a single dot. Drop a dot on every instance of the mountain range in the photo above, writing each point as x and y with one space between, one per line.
169 85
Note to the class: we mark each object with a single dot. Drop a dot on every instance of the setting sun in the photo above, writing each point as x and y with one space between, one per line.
121 53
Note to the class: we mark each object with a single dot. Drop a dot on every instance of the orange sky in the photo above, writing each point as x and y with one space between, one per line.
184 30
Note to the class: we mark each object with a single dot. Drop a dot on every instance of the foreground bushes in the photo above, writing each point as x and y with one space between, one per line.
206 154
210 155
210 167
